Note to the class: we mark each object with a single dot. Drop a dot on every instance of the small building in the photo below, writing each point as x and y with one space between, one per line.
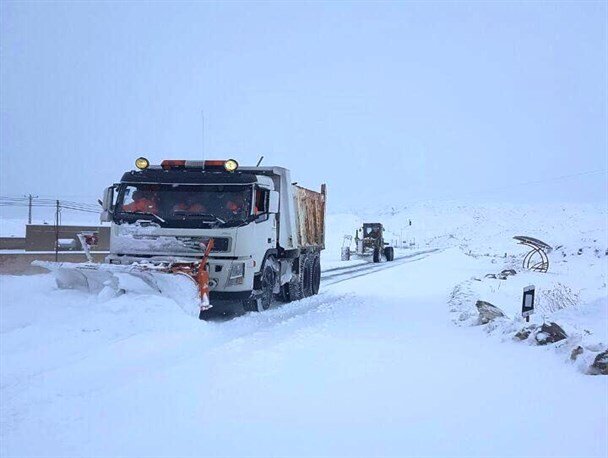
43 237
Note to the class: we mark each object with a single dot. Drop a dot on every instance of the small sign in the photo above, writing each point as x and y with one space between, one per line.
527 302
91 238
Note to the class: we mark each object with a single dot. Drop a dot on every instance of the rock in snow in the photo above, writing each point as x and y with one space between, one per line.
488 312
524 333
576 352
545 334
549 333
600 364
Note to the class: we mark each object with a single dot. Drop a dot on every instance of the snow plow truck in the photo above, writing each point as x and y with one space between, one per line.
205 231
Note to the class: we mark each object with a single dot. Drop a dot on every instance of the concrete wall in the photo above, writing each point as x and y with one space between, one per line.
12 243
20 263
39 244
41 237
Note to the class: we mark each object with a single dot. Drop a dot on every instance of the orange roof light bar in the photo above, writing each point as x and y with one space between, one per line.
229 165
172 163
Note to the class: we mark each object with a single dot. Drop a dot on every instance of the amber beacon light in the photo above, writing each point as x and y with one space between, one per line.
231 165
142 163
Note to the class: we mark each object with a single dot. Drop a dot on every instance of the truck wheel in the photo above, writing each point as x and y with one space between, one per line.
316 275
284 295
389 253
345 255
262 299
376 256
295 290
307 276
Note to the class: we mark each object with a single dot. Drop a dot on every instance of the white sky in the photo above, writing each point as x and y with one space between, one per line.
386 102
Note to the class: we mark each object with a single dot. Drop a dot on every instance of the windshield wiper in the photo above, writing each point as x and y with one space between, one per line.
152 214
204 215
237 221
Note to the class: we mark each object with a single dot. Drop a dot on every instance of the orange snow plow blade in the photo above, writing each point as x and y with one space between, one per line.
186 283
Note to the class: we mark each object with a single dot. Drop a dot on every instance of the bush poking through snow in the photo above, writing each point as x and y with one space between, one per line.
558 298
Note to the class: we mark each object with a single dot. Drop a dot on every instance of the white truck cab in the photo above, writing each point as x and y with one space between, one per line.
267 232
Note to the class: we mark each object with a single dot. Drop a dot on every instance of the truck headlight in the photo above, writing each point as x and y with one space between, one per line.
237 273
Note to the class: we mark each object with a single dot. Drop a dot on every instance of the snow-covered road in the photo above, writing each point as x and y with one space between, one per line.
372 366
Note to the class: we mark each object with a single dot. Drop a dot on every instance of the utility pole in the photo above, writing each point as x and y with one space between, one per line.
203 133
29 212
56 230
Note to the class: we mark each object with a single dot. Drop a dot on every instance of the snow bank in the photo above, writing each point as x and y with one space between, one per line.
373 366
369 367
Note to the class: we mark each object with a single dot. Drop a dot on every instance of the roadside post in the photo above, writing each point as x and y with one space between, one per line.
527 302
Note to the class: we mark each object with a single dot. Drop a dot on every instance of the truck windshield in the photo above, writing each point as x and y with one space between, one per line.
371 231
177 205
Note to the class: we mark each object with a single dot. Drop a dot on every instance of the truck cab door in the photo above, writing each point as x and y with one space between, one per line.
266 205
107 204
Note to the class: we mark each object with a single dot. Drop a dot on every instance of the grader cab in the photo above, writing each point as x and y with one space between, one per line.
369 241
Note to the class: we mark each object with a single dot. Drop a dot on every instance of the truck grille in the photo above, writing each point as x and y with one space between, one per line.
220 244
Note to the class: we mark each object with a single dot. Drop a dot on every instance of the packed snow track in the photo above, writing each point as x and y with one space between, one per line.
371 366
343 273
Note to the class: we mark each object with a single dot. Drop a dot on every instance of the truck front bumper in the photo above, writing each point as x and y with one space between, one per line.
229 295
220 286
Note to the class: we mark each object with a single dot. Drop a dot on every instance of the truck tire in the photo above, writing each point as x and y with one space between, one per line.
284 295
307 276
345 255
295 289
389 253
376 256
262 300
316 275
287 291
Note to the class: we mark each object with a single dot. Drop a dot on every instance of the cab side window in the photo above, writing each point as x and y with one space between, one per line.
128 197
261 201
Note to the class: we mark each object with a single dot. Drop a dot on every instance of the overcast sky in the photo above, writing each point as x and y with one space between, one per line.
386 102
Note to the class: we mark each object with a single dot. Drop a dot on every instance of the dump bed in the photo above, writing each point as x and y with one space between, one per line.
310 216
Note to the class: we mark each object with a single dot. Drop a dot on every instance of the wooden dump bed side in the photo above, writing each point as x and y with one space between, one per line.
310 216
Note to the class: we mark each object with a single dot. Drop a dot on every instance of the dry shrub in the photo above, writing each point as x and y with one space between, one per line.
557 298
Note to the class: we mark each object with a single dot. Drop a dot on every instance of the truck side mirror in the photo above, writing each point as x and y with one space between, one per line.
107 205
273 202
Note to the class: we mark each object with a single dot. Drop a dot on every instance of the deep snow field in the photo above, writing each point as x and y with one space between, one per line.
386 361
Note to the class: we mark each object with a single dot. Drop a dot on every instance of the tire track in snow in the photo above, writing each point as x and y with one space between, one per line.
218 335
360 271
280 314
240 328
367 264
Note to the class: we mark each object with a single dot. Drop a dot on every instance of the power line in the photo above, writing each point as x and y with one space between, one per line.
511 186
31 201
